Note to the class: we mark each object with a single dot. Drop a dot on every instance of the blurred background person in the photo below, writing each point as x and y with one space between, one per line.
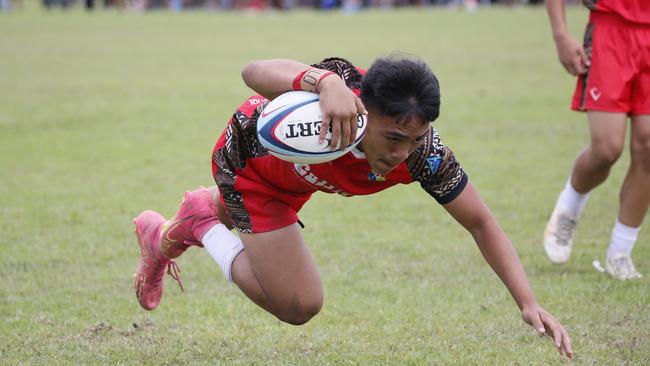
613 69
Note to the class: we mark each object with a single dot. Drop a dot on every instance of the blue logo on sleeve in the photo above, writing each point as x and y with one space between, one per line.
376 177
434 163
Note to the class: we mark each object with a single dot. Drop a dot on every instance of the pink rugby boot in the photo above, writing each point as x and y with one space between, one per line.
148 279
195 217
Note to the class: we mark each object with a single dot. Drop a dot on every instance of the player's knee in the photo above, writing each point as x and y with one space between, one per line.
301 311
606 154
300 317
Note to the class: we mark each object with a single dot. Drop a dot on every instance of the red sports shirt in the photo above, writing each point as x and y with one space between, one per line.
263 193
635 11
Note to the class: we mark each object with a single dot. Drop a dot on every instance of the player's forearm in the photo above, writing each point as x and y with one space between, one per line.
471 212
271 78
502 257
556 15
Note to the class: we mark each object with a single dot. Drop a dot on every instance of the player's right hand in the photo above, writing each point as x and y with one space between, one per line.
571 54
340 107
546 324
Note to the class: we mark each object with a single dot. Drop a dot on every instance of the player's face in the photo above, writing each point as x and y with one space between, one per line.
387 143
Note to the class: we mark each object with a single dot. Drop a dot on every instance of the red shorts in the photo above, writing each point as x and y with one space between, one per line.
618 79
253 204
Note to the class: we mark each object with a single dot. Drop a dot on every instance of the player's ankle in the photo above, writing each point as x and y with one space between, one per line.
571 202
622 240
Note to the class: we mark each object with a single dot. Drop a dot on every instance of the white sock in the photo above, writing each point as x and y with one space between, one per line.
623 238
223 246
572 201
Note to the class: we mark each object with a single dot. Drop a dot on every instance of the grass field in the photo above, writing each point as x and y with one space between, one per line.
105 114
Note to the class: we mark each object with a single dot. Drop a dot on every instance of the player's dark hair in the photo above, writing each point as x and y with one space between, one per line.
401 87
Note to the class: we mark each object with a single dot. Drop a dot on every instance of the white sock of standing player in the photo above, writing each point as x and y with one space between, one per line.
571 201
622 241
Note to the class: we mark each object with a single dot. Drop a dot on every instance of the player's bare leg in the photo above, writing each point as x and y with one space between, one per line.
278 272
635 192
591 168
607 139
634 200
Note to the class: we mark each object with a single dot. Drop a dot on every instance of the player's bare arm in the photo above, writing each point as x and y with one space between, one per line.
340 106
472 213
270 78
570 53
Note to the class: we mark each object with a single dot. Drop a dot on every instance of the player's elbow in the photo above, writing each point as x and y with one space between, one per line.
249 72
480 224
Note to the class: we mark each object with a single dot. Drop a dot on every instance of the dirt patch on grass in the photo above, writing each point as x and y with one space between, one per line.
103 330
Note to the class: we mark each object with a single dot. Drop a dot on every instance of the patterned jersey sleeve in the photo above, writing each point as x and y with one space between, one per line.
345 69
436 168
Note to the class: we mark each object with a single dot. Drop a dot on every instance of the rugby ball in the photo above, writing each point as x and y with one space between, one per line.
289 126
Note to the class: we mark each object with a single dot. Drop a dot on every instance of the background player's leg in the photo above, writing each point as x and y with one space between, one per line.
607 139
634 198
635 192
591 168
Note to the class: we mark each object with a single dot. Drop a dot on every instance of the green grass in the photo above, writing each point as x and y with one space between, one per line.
105 114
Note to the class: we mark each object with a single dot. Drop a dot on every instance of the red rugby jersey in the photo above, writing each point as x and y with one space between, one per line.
635 11
239 156
240 153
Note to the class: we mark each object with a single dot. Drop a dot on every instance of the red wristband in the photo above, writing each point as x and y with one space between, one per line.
298 79
309 78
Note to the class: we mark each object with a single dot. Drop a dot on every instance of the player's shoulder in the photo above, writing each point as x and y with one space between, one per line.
431 145
251 104
430 154
434 165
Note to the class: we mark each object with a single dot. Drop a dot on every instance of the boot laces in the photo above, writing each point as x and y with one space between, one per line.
173 270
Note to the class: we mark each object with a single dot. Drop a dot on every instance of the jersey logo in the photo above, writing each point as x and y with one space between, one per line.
256 101
595 94
306 174
373 177
434 163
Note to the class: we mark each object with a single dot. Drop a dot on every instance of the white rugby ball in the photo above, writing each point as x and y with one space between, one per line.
289 126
